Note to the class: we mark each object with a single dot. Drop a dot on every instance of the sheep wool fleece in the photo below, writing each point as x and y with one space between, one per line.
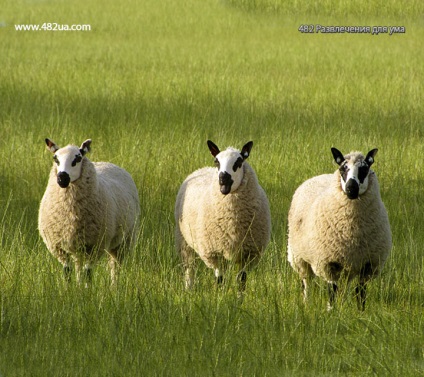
96 212
235 227
331 235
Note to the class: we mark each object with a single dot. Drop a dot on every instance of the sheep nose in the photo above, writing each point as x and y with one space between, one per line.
352 189
63 179
225 179
225 182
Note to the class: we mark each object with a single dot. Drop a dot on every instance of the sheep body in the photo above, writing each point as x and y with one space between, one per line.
332 236
219 228
96 213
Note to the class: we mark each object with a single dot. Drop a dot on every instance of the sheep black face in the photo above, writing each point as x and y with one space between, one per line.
68 161
354 170
229 164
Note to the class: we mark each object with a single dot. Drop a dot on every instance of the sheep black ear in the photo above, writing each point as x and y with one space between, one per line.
51 146
245 151
85 147
370 156
338 156
213 148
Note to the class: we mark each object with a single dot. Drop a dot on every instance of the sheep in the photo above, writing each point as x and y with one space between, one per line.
223 215
338 227
88 208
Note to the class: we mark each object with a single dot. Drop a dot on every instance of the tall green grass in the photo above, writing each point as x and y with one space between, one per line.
150 84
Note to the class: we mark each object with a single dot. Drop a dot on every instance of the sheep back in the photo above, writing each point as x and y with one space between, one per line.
333 236
236 226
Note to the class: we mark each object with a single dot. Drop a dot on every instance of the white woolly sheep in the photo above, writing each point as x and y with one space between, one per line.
89 208
222 214
338 227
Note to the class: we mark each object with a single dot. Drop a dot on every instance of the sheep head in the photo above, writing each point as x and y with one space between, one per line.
354 170
229 164
68 160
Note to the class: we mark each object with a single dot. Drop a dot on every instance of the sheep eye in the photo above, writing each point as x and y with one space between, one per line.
238 163
217 164
55 159
343 171
77 159
363 172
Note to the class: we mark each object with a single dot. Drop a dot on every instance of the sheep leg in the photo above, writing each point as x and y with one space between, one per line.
219 276
67 270
64 259
220 266
305 290
189 277
78 265
88 274
332 293
83 272
366 273
89 257
361 292
114 270
241 279
187 256
67 273
115 261
306 273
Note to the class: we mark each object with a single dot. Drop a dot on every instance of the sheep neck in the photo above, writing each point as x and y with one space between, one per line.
355 211
241 199
241 192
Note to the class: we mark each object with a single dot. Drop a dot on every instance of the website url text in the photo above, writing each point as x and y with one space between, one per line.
52 26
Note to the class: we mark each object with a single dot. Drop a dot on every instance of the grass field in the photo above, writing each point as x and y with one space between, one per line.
149 84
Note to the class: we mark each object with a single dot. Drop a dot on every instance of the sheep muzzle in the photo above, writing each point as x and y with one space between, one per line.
352 189
63 179
225 183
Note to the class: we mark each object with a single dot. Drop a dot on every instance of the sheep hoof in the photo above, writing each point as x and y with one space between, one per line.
188 285
330 307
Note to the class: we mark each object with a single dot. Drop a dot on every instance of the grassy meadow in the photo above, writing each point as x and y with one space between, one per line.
149 84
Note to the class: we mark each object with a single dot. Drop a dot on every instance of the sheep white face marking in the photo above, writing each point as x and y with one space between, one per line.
68 161
354 179
230 174
230 166
354 170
